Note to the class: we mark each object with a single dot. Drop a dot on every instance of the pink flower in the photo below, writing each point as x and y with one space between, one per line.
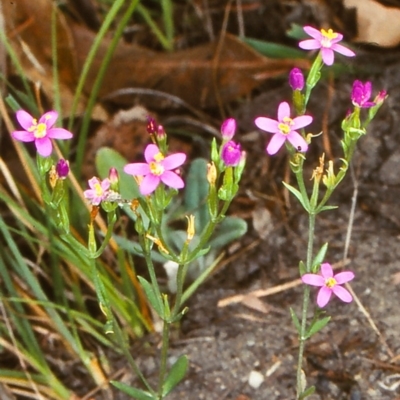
41 132
327 41
228 128
231 154
157 169
284 129
99 190
329 284
361 94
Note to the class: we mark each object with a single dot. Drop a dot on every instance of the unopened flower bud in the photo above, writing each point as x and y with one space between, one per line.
114 179
380 98
296 79
151 125
231 154
62 168
161 135
228 128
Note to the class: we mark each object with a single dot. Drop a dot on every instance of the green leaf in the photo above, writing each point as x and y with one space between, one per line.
302 268
137 394
297 194
295 320
319 258
307 392
195 194
151 295
274 50
176 374
230 229
107 158
317 326
326 208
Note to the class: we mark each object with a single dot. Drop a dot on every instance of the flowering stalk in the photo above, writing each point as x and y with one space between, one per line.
290 131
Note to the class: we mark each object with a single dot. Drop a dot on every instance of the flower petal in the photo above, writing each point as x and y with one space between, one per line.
59 133
49 118
343 277
326 270
92 182
283 111
310 44
328 56
149 184
314 33
150 151
267 124
297 141
324 295
342 293
44 146
313 279
343 50
23 136
24 119
173 180
173 161
301 122
275 143
135 169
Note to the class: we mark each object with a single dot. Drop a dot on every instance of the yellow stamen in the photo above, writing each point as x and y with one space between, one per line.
156 168
98 189
284 128
330 282
158 157
40 130
329 34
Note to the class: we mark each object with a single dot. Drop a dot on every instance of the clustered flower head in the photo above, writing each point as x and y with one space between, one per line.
327 41
158 168
284 129
361 94
99 190
40 131
329 284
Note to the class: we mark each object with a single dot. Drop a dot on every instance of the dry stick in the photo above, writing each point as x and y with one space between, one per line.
273 290
345 253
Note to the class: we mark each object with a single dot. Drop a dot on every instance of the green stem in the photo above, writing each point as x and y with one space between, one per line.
164 354
306 299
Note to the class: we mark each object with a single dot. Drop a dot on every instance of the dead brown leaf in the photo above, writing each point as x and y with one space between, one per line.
194 75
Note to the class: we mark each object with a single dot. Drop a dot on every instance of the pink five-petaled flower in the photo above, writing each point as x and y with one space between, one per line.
99 190
41 132
361 94
284 129
327 41
329 284
157 169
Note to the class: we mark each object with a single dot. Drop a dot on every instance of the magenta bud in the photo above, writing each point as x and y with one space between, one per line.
62 168
231 154
228 128
114 179
361 94
160 132
296 79
380 97
151 125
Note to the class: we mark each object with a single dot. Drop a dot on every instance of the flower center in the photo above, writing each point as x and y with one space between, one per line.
156 168
40 131
98 189
285 125
327 37
158 157
330 282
